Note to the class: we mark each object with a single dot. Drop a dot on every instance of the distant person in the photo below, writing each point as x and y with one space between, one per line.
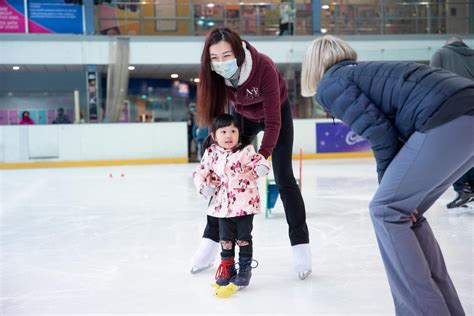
81 118
62 117
287 19
201 134
457 57
26 119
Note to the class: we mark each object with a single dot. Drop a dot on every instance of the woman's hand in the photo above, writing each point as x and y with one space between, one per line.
413 216
262 170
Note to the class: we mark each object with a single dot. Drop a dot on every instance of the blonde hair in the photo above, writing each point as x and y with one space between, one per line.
323 53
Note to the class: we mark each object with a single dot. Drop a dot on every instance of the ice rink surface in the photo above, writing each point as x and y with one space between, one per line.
89 241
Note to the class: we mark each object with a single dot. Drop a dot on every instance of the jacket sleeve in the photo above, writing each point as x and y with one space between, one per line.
358 112
271 111
252 159
202 171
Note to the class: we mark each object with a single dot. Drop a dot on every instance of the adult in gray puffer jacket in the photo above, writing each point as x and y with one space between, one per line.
457 57
418 120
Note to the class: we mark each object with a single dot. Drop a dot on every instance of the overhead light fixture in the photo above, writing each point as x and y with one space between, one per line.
324 31
131 67
174 76
210 5
16 67
196 80
325 7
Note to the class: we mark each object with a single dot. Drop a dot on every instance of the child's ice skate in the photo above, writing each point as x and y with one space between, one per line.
225 272
302 260
205 255
244 275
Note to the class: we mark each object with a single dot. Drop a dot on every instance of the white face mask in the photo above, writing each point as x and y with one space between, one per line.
225 68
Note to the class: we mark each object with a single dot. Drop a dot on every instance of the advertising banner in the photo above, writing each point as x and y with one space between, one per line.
12 16
337 137
54 16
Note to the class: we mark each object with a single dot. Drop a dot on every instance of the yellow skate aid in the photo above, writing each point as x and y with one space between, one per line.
226 291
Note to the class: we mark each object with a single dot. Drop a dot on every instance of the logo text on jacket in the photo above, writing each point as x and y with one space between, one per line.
252 93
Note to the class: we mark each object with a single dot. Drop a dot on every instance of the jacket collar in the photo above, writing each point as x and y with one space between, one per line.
245 68
340 64
219 148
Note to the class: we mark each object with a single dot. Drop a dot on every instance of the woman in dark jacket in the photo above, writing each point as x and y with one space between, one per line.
234 72
419 121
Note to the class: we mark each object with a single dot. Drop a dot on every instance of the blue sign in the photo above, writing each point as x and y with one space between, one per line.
54 16
337 137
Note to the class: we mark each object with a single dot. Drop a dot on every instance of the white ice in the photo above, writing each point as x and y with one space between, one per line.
90 241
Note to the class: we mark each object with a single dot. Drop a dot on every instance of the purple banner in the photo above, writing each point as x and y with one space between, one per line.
336 138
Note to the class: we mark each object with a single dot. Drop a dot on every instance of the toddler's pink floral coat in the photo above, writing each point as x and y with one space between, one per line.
234 177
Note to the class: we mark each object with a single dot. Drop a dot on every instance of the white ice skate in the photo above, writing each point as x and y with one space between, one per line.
205 255
302 260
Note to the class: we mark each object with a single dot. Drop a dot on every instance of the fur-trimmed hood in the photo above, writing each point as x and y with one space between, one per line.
246 67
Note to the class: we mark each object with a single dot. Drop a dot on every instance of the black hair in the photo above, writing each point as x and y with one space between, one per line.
24 112
221 121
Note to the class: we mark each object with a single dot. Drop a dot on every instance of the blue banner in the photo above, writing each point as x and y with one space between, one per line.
54 16
337 137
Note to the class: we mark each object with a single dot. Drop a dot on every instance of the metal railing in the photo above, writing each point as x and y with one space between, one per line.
379 17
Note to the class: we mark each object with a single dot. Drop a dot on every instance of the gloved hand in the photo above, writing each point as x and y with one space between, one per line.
262 170
207 191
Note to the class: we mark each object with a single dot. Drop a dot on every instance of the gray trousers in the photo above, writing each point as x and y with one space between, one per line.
421 172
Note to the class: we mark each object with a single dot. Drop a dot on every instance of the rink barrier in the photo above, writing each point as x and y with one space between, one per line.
86 145
98 163
92 163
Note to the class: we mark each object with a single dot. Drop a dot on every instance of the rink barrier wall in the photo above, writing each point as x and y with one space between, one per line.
87 145
92 163
72 145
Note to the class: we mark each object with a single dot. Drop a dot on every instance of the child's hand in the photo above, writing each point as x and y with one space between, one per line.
207 191
262 170
212 179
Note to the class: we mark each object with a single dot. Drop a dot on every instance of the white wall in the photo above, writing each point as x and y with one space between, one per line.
86 142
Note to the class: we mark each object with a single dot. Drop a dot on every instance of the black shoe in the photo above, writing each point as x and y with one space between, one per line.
461 199
245 272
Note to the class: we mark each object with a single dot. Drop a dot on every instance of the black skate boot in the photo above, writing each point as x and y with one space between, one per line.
225 272
245 272
461 199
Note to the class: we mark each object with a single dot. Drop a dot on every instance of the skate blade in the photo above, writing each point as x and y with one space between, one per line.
303 275
465 209
236 287
195 270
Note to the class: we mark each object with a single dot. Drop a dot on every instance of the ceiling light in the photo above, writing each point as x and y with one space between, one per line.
174 76
324 31
131 67
196 80
16 67
325 7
